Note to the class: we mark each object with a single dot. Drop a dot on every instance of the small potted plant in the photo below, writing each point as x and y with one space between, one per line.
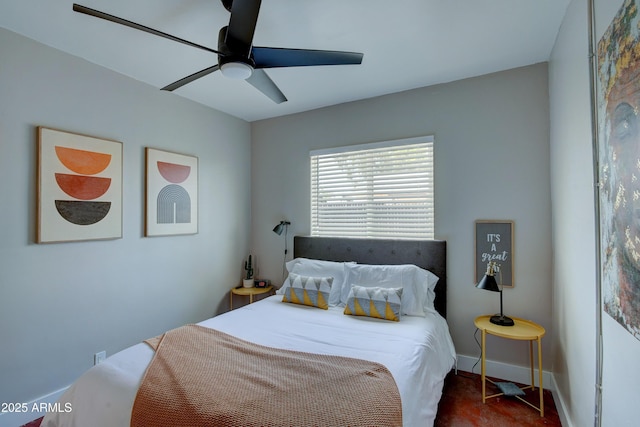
247 282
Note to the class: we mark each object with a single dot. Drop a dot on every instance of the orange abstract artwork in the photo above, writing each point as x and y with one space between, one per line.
80 182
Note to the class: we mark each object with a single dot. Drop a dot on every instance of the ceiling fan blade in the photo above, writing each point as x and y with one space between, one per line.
261 81
130 24
242 24
195 76
273 57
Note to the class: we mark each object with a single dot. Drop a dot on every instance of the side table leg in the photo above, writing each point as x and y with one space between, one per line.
482 366
230 300
540 376
531 364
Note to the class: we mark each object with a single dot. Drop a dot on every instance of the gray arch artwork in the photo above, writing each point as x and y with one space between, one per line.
174 205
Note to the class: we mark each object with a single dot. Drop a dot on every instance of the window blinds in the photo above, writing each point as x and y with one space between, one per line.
381 190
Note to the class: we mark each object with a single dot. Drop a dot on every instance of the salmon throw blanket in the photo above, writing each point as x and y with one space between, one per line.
204 377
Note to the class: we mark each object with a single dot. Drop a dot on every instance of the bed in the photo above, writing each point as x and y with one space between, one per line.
416 350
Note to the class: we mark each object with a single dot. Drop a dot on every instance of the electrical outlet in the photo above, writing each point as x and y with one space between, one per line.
99 357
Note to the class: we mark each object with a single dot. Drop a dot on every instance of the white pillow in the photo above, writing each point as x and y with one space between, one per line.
418 284
319 268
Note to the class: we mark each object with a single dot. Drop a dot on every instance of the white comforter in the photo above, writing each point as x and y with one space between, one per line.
417 350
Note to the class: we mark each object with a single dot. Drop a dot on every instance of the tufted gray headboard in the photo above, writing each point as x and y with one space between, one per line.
428 254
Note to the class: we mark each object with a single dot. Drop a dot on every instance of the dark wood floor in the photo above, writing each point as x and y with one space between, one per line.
461 406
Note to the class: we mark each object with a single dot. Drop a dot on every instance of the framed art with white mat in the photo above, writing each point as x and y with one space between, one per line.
171 193
79 187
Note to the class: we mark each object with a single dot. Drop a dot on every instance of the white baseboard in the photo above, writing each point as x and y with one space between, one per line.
517 374
32 410
561 405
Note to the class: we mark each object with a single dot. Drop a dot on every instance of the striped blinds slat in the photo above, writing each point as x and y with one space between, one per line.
381 192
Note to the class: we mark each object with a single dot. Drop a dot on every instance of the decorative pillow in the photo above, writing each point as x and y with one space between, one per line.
381 303
418 284
319 268
305 290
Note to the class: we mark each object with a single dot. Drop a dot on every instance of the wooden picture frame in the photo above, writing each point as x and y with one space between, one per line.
79 195
171 193
494 242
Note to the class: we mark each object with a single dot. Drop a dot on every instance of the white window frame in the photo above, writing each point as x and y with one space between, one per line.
393 200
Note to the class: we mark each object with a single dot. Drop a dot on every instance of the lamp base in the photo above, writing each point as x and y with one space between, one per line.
502 320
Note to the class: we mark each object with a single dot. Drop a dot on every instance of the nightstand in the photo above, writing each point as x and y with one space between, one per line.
248 292
522 330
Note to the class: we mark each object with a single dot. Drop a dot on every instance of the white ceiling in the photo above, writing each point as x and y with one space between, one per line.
406 44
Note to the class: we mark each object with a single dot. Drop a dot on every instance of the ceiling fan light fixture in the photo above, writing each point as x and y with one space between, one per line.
236 70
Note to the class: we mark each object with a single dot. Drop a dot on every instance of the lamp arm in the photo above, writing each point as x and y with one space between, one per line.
286 230
498 268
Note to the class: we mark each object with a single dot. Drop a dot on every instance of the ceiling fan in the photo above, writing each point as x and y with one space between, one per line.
237 57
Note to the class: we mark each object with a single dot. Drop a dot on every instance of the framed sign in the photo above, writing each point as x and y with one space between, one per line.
494 242
171 193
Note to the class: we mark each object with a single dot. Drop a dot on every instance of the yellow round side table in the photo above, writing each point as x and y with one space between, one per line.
523 330
248 292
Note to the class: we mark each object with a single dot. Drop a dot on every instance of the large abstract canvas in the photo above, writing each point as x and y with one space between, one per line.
79 187
171 193
618 93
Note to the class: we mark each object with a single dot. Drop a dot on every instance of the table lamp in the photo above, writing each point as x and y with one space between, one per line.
488 283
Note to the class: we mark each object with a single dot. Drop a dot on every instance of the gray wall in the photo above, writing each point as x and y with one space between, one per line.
492 162
574 240
61 303
573 219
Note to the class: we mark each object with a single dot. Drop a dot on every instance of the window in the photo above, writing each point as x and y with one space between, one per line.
379 190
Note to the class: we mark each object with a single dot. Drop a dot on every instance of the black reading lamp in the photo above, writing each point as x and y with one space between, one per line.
488 283
283 226
278 229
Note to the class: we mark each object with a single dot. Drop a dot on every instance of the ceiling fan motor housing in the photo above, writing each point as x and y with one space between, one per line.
234 58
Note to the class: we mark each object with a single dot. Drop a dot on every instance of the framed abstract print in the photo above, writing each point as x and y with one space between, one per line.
171 193
618 103
79 187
